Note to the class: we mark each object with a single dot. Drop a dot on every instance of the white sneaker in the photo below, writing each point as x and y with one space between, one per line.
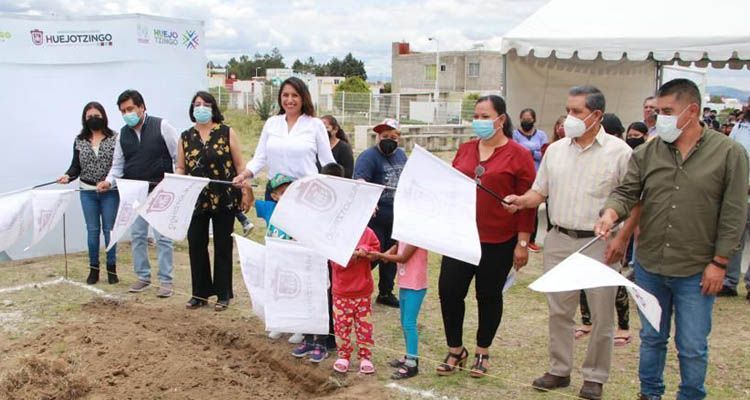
274 335
297 338
247 227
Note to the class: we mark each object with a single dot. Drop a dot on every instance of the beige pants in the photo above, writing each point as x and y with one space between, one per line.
562 311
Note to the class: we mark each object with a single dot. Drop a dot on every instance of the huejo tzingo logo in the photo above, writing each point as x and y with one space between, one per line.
164 36
190 39
5 36
72 38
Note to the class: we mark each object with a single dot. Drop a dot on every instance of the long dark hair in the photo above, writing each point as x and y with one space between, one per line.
336 127
499 105
216 116
85 131
301 88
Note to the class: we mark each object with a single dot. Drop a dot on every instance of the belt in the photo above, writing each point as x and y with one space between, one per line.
575 234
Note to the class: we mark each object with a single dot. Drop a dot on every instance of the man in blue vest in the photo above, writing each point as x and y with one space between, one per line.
145 150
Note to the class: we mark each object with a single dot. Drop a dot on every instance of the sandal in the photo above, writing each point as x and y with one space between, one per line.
194 303
405 372
366 367
221 305
623 340
397 362
478 370
581 333
341 365
446 369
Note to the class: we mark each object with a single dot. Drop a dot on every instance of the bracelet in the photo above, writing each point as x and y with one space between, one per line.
718 264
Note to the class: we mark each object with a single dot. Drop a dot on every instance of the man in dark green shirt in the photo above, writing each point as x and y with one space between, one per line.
692 185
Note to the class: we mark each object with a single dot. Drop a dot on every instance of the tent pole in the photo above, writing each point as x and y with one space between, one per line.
659 75
504 77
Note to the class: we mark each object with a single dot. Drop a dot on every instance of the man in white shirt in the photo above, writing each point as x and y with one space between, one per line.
145 150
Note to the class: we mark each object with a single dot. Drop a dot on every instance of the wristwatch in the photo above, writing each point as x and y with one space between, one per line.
523 243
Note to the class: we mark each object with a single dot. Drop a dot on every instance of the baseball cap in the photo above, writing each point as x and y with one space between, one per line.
387 124
280 179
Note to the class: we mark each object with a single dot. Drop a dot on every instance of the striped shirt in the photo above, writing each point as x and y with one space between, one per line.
577 181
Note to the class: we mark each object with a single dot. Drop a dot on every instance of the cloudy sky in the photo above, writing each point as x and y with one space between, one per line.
327 28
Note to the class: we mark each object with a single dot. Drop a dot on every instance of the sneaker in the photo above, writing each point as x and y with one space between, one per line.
247 227
274 335
151 242
726 291
165 291
296 338
139 286
534 248
388 300
303 349
319 354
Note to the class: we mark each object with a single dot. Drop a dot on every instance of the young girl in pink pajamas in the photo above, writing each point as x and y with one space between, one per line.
352 288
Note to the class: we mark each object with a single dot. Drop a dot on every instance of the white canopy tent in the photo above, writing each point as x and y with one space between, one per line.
618 46
52 67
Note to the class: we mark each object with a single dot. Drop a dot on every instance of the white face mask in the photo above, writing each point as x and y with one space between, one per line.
666 127
575 127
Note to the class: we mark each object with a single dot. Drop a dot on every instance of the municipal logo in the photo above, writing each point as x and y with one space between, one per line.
190 39
37 37
167 37
142 33
316 195
161 201
5 36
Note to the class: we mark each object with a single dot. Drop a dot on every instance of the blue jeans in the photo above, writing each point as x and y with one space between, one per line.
139 234
682 297
410 301
99 212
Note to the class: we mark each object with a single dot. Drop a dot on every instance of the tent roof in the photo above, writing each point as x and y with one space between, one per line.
686 30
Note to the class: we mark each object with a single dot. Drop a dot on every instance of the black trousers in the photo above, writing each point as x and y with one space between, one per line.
200 265
455 279
382 225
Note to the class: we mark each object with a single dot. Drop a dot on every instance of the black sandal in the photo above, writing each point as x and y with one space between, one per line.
478 370
221 305
405 371
446 369
194 303
397 362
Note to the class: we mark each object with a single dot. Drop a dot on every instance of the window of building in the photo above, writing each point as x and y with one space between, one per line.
429 72
335 81
473 70
442 68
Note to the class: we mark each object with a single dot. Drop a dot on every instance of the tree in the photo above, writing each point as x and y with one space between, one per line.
387 88
245 67
715 99
353 84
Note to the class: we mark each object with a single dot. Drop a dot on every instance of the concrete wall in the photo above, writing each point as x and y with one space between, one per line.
431 137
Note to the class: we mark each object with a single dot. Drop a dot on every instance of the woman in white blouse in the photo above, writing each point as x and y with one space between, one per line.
291 142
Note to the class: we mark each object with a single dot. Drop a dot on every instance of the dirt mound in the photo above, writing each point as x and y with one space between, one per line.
38 378
136 351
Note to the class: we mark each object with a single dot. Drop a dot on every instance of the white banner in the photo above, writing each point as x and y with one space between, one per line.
169 208
296 282
48 206
582 272
435 208
327 214
253 265
15 218
132 195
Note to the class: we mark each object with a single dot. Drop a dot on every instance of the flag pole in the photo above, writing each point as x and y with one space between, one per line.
65 246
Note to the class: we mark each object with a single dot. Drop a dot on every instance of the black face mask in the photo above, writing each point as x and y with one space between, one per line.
527 125
95 123
635 142
388 146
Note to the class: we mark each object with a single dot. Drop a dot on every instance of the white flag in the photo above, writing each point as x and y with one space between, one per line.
132 194
253 265
15 218
435 208
327 214
582 272
296 282
169 208
48 206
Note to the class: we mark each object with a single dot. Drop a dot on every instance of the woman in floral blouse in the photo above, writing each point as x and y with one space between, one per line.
210 149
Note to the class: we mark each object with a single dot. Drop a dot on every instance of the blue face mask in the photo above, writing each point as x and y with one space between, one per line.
484 128
202 114
131 118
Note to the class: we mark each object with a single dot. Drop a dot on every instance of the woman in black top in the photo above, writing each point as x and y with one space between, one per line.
93 150
340 147
210 149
